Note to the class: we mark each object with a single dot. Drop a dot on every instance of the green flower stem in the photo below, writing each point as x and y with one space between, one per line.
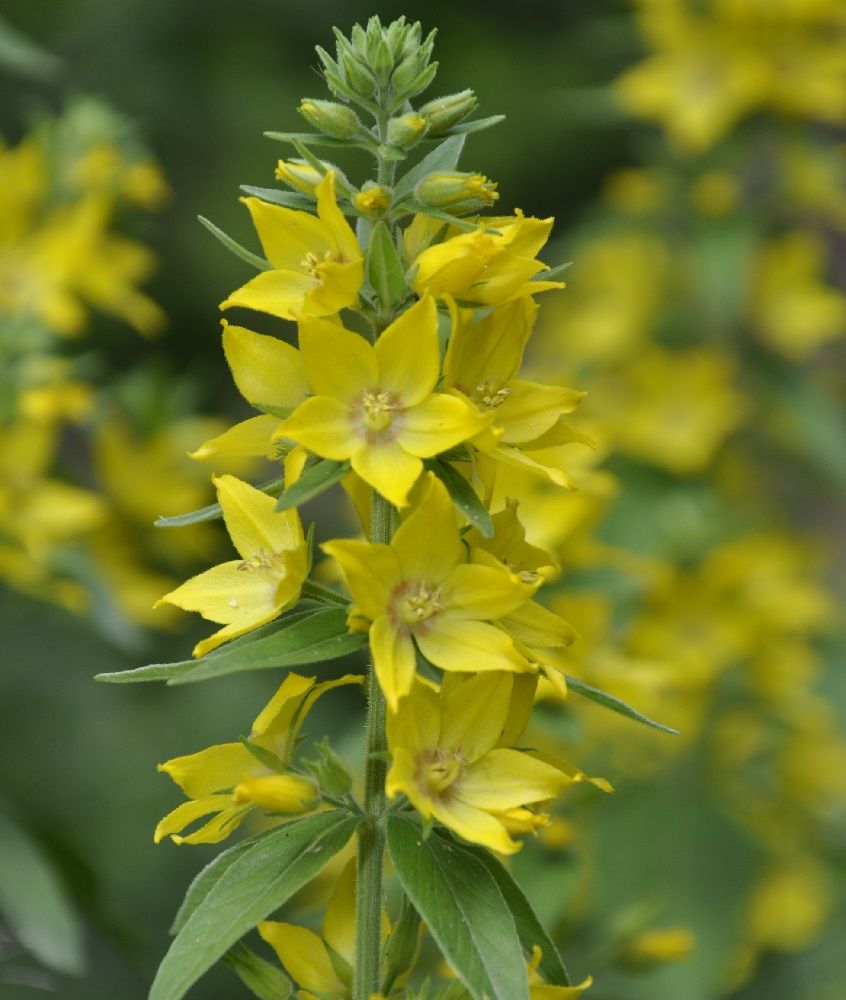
371 833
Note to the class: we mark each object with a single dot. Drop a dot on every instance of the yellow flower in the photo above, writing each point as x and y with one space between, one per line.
227 780
247 592
421 591
316 263
489 266
659 946
322 965
450 757
539 990
375 405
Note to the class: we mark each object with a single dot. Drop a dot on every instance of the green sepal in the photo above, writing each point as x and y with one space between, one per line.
234 246
267 758
384 268
615 704
463 908
466 128
443 157
312 138
315 479
301 638
253 885
288 199
273 487
553 272
263 979
463 496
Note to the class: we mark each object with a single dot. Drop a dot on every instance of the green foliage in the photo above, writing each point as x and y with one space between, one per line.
315 479
615 704
263 980
213 512
463 496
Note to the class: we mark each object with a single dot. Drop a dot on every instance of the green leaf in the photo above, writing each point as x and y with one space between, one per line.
273 487
453 220
289 199
19 54
463 496
246 255
312 138
262 979
465 128
384 268
443 157
209 876
529 928
620 707
461 905
299 639
314 480
34 903
255 884
553 272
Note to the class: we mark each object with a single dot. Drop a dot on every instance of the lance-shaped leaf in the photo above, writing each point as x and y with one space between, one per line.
463 908
234 246
463 496
290 199
615 704
314 480
262 979
443 157
298 639
384 268
465 128
273 487
255 884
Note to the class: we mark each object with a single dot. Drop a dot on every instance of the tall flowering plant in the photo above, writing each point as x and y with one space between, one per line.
412 313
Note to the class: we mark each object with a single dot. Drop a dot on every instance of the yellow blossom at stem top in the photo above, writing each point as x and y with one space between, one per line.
489 266
451 758
376 406
316 266
229 779
421 591
247 592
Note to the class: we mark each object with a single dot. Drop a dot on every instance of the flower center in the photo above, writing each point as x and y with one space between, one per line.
486 395
437 770
419 601
272 562
311 263
377 409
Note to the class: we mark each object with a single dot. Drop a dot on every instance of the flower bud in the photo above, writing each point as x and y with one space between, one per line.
405 130
444 112
373 200
304 177
456 192
330 118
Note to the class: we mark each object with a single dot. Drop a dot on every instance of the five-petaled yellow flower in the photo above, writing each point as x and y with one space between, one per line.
376 406
421 591
316 263
247 592
229 780
451 757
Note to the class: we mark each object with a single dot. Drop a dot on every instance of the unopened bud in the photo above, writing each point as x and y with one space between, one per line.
456 191
405 131
373 200
330 118
444 112
329 769
298 174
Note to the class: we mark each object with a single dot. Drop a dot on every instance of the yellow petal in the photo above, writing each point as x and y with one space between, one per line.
334 220
287 235
519 709
280 293
317 692
227 595
543 991
232 631
532 408
484 592
409 355
488 352
253 523
371 572
339 919
416 724
474 825
438 424
272 726
468 646
265 369
427 542
474 714
509 455
504 778
218 827
402 780
217 768
304 956
284 793
393 660
250 437
537 626
339 363
187 812
388 468
336 288
324 426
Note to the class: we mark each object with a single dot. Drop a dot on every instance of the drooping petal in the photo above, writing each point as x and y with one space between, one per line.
304 956
474 714
509 455
488 352
253 436
339 363
468 646
218 827
284 793
279 293
227 594
217 768
271 727
323 425
408 353
427 542
231 631
532 408
387 467
504 778
474 825
288 236
438 424
535 625
317 692
393 660
543 991
519 708
484 592
371 571
253 523
187 812
266 370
